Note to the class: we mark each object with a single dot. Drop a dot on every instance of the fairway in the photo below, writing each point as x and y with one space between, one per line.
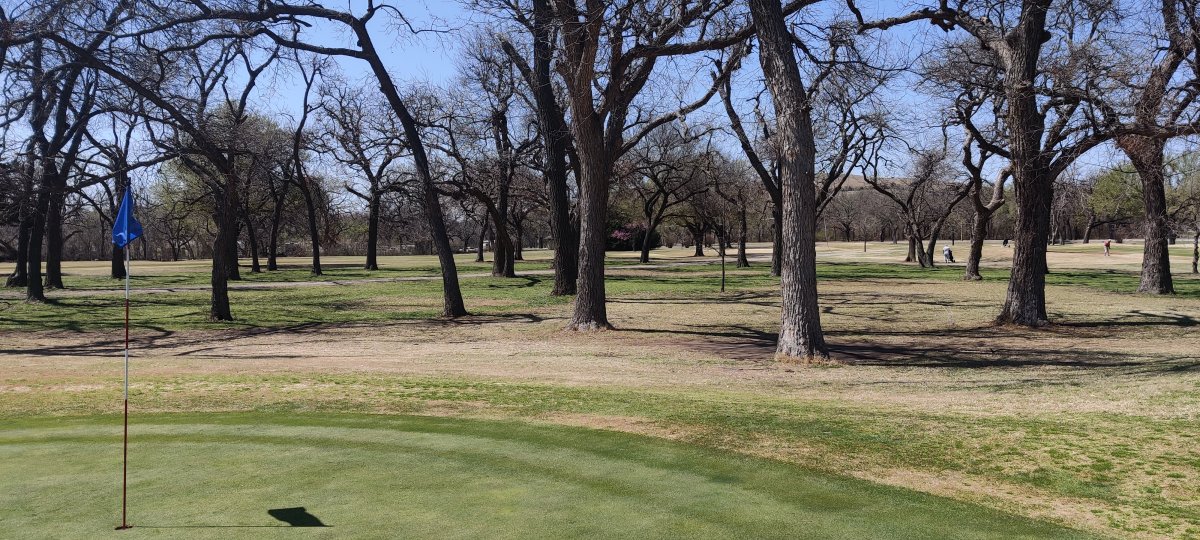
216 476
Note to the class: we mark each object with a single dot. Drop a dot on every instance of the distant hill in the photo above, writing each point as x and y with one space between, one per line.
856 182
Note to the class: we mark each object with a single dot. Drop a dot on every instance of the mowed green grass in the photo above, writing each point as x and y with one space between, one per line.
356 301
217 475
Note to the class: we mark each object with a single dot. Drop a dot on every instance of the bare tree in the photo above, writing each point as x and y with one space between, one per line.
55 94
967 77
608 54
983 210
1158 101
363 134
1046 129
926 198
282 22
310 69
538 21
732 182
482 131
665 170
766 170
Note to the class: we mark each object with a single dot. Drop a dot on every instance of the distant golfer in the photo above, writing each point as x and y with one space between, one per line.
947 254
1108 248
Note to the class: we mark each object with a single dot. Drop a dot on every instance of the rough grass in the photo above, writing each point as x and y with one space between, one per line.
1091 423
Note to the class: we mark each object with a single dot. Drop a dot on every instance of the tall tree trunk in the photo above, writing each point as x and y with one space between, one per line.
979 229
1146 154
503 264
252 238
590 311
698 240
1025 303
931 248
373 232
314 232
1196 252
483 231
912 249
518 242
117 261
452 302
566 242
20 273
555 135
54 236
742 261
38 149
502 261
273 241
777 243
33 263
800 335
651 226
1033 181
232 255
227 227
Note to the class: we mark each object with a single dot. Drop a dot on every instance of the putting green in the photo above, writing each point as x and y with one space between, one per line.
216 476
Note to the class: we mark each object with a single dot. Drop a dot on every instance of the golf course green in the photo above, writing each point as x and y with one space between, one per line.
368 476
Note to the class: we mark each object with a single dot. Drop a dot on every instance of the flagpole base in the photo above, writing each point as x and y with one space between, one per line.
123 527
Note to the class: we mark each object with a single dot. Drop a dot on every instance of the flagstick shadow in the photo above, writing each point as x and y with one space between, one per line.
212 526
294 517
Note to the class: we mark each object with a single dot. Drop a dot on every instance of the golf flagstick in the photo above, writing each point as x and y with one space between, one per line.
125 438
125 230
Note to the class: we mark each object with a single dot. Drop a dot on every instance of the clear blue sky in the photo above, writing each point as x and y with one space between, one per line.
430 56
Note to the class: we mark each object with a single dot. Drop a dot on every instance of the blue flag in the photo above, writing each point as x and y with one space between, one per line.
125 228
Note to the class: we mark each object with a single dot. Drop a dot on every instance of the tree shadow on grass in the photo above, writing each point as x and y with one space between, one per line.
484 319
1136 318
113 342
969 348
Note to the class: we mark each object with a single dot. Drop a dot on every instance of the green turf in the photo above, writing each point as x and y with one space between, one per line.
215 476
1068 456
287 274
370 302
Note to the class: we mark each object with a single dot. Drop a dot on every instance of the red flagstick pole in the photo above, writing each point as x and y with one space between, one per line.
125 440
